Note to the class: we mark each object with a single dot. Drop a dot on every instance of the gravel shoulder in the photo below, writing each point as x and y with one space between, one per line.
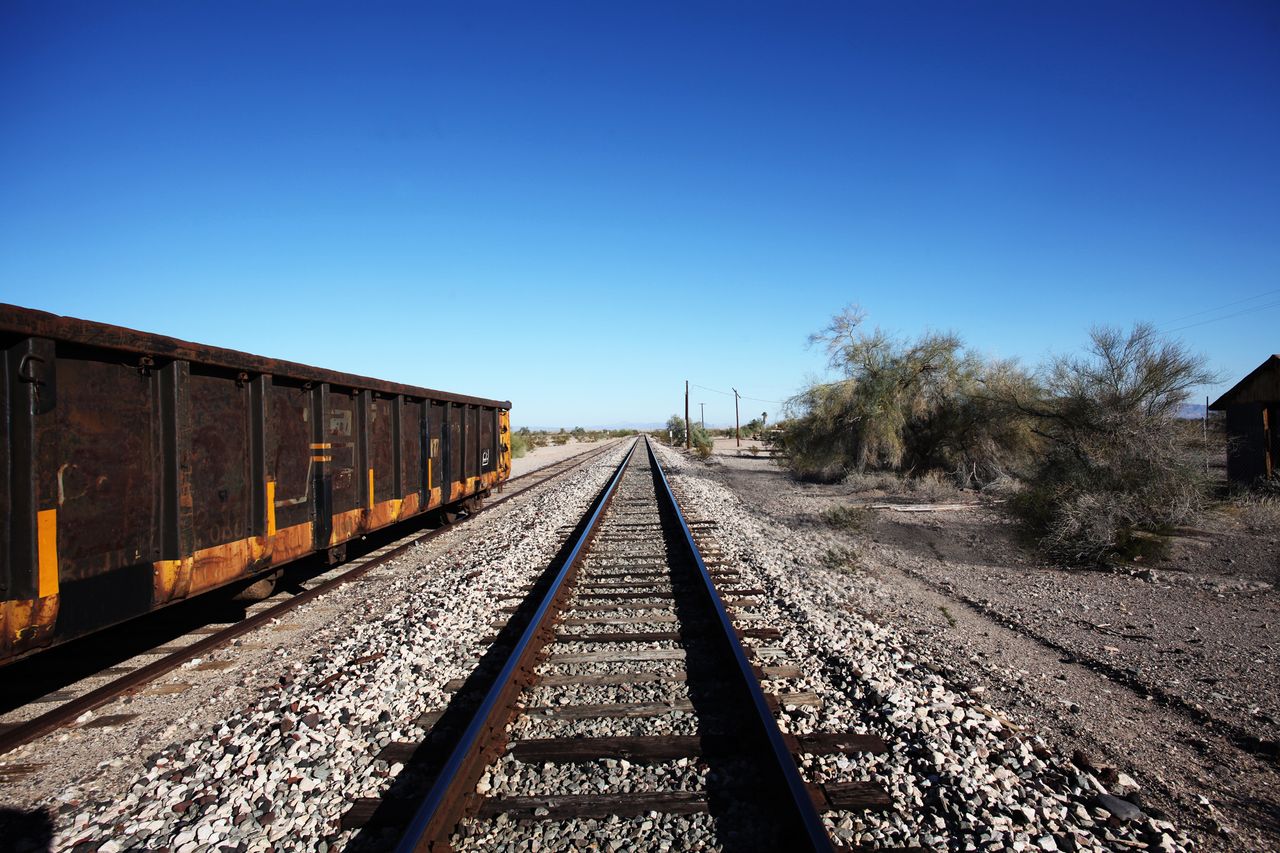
1166 674
266 742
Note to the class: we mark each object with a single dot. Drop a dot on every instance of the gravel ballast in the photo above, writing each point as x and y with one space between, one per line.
963 777
275 757
280 768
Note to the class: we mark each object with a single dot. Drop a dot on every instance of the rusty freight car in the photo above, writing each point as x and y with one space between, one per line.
140 470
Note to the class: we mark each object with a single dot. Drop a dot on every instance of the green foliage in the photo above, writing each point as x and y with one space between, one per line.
519 443
530 439
1106 463
675 427
841 559
846 517
701 441
1119 468
912 406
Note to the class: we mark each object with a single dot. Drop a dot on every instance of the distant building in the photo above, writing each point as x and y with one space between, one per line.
1253 424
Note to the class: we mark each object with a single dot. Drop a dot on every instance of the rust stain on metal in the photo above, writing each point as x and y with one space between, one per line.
347 525
172 580
27 624
213 567
290 543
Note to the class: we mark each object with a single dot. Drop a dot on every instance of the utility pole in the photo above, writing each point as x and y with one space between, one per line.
686 414
703 416
736 434
1205 427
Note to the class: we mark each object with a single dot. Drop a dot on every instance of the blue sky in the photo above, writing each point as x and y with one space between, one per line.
579 206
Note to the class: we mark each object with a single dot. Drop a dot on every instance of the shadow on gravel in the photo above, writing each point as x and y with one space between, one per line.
744 809
25 832
1266 812
741 798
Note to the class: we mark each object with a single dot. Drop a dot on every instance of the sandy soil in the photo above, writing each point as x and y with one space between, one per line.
541 457
1167 672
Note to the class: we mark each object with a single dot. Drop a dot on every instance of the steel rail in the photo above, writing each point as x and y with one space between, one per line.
800 800
442 809
54 719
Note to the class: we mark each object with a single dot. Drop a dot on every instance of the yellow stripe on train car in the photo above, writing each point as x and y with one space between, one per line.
47 552
271 507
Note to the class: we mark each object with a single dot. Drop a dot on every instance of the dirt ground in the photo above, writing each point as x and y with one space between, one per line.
1167 672
541 457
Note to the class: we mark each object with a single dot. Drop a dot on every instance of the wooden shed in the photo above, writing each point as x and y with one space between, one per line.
1253 424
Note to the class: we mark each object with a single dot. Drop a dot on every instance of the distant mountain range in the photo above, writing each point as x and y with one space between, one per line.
1191 411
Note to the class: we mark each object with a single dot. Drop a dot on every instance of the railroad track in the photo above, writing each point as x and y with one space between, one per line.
623 701
23 722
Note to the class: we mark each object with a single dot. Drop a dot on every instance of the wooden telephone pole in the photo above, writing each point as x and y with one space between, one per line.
686 414
736 434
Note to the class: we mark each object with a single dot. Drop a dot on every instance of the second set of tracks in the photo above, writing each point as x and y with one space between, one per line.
626 688
95 677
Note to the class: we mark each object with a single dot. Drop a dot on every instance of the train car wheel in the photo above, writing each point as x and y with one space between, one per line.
260 590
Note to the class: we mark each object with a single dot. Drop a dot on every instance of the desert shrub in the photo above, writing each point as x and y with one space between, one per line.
561 438
531 439
841 559
701 441
847 517
1118 467
912 406
932 486
1258 507
1003 488
519 443
876 481
675 427
1261 518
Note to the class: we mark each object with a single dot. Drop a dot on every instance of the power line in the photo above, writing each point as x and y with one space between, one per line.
1250 310
1220 307
742 396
